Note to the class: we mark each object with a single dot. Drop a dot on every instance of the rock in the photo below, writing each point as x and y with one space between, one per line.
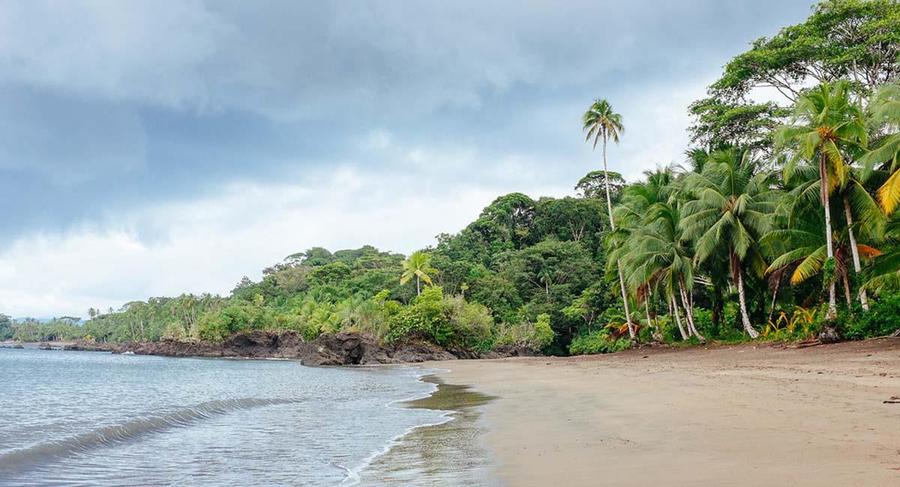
829 334
328 350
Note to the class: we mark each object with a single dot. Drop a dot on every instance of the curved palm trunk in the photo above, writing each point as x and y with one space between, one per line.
863 298
742 300
656 334
612 226
689 312
823 175
674 305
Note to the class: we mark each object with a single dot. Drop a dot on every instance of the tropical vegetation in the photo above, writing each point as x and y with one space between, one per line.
776 208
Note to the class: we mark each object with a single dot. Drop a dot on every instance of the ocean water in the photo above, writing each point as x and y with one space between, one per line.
90 418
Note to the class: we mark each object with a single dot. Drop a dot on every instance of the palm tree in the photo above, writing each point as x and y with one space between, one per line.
418 265
885 112
799 247
826 122
730 207
658 253
602 124
862 215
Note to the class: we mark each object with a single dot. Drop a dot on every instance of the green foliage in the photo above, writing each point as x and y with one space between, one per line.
6 330
600 341
537 335
446 321
744 223
880 320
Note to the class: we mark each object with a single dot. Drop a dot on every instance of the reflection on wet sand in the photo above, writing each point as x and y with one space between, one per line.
446 454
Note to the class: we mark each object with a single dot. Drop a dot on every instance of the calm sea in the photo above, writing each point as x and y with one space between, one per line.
89 418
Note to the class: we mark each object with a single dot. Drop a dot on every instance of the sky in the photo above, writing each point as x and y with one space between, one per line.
152 148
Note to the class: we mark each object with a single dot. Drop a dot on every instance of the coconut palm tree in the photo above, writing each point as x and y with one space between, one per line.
659 254
799 248
602 124
862 215
885 114
418 266
730 207
826 123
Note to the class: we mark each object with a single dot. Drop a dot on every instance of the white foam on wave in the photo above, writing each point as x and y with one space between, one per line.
354 474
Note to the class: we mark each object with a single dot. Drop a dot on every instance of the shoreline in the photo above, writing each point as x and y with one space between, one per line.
724 415
448 452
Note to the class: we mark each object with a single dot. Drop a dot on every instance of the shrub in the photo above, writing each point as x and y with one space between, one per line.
218 325
424 318
537 335
597 342
469 324
880 320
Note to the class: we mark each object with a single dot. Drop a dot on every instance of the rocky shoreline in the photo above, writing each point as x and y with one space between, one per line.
337 349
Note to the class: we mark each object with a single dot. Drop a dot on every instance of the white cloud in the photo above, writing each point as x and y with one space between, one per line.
207 245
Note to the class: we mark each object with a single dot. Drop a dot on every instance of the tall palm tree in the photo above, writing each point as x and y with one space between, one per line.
885 113
602 124
658 253
418 266
862 215
732 201
826 123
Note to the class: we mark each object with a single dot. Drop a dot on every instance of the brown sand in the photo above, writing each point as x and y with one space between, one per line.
744 415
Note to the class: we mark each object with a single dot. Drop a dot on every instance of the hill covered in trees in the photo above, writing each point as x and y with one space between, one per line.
780 221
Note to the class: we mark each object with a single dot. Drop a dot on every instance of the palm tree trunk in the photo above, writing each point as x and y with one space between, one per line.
674 306
847 297
656 335
742 300
863 298
775 295
418 286
823 175
612 226
689 312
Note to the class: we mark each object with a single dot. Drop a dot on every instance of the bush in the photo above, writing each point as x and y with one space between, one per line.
704 323
470 325
537 335
597 342
424 318
218 325
881 319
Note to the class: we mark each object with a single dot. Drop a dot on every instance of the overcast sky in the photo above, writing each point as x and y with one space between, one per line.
160 147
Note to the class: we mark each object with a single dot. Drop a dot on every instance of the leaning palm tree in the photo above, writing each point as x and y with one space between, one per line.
658 253
730 208
417 266
826 123
602 124
885 114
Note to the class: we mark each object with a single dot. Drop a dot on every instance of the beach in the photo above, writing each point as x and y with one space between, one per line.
729 415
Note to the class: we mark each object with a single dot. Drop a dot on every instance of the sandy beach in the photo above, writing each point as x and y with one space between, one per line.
744 416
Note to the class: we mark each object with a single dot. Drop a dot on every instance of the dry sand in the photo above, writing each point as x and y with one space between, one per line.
743 415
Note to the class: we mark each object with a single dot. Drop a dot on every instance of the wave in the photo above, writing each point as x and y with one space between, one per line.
127 431
353 475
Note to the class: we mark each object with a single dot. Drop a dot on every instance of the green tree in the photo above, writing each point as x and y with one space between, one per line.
730 209
417 266
825 124
884 111
602 124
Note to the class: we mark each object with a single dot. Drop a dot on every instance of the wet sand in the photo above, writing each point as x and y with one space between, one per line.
724 416
451 453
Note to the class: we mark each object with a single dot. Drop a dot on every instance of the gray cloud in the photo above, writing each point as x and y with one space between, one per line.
108 107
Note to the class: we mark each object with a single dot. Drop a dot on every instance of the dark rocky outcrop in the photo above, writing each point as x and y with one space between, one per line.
337 349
